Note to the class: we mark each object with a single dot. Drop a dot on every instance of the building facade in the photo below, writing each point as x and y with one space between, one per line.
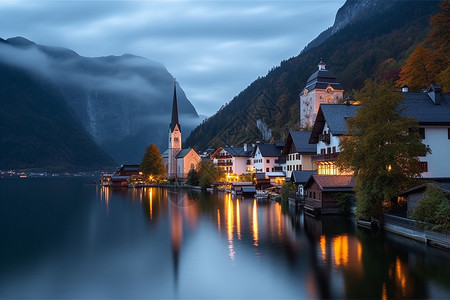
321 87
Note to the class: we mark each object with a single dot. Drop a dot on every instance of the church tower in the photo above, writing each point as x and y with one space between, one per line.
321 87
174 136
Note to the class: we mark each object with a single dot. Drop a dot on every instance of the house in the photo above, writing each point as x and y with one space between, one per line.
297 152
299 179
129 170
431 109
413 195
266 157
187 159
330 126
322 191
322 87
234 160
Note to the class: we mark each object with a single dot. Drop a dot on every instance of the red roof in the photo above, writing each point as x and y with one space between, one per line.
333 182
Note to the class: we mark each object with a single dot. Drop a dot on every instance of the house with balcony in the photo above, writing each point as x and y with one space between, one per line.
266 157
234 160
298 152
330 126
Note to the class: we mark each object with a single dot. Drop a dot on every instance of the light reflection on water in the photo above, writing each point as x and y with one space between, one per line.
64 239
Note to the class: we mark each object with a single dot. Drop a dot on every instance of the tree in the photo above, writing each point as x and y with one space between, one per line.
382 148
193 178
208 173
151 164
434 209
430 61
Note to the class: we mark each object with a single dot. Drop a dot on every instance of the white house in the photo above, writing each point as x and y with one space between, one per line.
431 109
266 157
329 127
298 152
234 160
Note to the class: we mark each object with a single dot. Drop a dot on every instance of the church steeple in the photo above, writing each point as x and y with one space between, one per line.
174 121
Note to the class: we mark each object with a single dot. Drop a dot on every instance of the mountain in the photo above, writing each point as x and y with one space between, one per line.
123 102
39 130
368 39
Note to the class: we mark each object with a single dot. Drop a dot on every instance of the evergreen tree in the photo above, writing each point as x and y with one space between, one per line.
382 148
151 164
193 178
208 173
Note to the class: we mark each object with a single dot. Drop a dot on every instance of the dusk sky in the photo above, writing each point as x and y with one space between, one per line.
214 49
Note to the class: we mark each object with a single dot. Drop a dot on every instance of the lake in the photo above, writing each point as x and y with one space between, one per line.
68 238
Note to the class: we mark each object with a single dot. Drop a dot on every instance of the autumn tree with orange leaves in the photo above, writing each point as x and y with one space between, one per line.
430 61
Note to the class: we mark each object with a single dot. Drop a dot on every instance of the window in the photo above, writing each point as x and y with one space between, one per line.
267 160
192 166
175 139
422 133
328 150
322 151
424 166
297 156
334 149
267 169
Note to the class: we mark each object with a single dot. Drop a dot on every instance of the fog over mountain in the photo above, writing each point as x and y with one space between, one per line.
124 102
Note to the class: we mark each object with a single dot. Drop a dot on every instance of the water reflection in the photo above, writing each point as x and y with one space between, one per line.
162 243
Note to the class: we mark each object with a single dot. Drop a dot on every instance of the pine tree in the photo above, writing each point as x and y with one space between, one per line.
151 164
382 148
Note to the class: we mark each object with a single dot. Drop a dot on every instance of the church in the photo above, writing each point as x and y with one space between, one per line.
177 161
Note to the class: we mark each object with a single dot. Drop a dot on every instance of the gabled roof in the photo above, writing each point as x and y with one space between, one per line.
184 152
301 143
235 151
301 176
335 115
421 107
165 154
442 185
333 183
268 150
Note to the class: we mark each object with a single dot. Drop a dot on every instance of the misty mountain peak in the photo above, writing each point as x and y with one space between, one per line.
19 41
353 10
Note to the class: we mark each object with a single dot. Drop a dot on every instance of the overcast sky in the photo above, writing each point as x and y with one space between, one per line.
215 49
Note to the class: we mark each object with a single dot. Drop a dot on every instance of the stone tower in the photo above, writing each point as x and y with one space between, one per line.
174 136
321 87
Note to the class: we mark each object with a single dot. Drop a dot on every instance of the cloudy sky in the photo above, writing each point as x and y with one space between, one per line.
215 49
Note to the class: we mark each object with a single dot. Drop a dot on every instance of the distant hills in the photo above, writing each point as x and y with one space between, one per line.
370 38
62 110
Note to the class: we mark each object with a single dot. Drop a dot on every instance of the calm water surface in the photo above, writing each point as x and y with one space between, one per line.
67 238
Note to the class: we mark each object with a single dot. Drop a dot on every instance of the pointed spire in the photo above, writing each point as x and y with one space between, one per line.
174 108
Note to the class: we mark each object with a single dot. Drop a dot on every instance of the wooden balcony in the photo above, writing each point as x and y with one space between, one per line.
325 157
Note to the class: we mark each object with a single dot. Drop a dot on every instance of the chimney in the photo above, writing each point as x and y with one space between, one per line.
245 147
434 92
404 89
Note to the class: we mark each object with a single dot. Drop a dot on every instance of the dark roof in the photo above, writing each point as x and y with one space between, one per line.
442 185
301 143
301 176
239 151
165 154
268 150
174 121
421 107
321 79
248 189
335 115
333 183
183 153
129 167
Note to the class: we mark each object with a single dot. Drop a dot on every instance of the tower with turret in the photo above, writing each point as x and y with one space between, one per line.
321 87
174 137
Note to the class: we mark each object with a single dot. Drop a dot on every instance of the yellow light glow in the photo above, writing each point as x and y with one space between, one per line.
150 203
323 247
255 224
218 220
229 209
340 248
238 219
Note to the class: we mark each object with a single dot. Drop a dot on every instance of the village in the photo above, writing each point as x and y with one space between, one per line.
306 160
